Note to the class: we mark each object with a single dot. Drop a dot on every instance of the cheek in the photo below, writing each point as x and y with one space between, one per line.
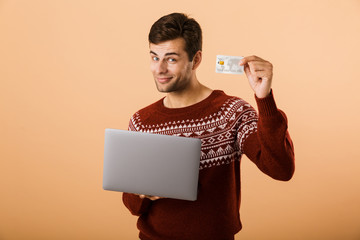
186 70
152 67
178 69
171 68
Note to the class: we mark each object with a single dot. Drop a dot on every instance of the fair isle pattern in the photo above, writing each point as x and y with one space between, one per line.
222 134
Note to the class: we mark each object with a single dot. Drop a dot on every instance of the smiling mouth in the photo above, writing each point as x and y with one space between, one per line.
163 79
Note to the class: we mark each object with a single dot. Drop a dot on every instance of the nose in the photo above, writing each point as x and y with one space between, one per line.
161 67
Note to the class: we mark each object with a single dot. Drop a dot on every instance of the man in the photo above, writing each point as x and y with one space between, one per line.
228 127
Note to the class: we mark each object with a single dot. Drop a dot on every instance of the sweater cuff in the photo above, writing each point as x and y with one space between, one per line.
267 105
135 204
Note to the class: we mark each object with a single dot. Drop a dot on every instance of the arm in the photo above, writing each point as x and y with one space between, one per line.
136 205
271 147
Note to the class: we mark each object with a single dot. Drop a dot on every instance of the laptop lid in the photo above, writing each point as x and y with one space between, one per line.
151 164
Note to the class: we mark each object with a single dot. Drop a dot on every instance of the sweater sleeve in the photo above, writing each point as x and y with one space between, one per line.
135 204
270 147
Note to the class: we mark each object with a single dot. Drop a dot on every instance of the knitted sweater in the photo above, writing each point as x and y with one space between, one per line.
228 127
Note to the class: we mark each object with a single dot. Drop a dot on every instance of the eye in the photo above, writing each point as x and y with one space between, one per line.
155 58
171 60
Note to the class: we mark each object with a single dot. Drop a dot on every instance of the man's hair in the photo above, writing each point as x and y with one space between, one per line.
178 25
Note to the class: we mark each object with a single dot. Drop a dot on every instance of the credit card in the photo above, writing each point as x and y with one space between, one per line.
228 64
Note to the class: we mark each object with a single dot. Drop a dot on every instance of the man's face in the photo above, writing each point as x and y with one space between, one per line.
170 65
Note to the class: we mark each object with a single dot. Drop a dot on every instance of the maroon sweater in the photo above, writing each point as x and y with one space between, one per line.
228 127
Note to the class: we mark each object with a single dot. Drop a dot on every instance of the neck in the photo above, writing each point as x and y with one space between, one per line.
193 94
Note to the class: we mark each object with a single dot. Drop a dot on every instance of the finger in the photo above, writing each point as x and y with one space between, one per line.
247 70
245 60
257 72
259 66
142 196
153 198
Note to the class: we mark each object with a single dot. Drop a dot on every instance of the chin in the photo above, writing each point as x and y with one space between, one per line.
165 89
170 87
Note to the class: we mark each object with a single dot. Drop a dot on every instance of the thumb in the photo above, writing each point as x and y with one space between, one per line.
247 70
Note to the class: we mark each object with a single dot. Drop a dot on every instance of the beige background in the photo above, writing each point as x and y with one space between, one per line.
69 69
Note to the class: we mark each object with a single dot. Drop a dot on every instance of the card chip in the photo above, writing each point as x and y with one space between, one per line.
221 62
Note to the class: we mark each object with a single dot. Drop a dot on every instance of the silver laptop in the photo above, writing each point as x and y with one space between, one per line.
151 164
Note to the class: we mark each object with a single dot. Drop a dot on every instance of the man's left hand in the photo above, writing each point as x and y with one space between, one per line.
259 73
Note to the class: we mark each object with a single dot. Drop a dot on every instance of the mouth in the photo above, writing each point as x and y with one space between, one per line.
163 79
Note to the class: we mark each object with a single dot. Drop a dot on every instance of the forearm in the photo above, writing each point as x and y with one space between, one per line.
271 147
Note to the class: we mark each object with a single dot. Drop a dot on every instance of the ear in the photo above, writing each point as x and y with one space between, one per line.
197 60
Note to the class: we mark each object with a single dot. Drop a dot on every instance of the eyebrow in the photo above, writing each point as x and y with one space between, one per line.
166 54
